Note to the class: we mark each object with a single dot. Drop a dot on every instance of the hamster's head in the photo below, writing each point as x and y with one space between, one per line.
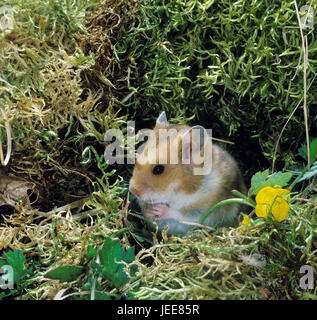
164 170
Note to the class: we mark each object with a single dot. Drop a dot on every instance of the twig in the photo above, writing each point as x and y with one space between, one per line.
126 98
286 123
90 213
305 54
139 216
305 200
197 225
69 206
5 161
221 140
300 57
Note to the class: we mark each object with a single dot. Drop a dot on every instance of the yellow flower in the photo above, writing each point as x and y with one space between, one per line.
245 224
249 226
246 221
274 200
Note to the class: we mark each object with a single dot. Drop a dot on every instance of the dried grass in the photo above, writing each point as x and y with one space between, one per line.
68 74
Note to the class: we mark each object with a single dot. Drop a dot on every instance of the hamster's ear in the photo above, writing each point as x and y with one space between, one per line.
195 136
162 118
193 141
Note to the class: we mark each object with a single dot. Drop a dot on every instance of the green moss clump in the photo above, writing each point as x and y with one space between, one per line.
70 70
51 111
229 63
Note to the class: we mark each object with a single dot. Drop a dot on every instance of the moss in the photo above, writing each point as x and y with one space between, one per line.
50 109
70 70
228 63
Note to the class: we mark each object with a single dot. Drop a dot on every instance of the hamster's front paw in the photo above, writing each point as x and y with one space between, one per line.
157 212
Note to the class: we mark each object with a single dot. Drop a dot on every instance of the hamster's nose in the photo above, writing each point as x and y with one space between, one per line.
134 191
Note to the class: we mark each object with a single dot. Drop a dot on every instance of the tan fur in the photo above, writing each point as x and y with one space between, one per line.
231 179
179 186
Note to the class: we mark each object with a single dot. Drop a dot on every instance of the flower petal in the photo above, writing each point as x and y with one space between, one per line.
274 199
280 209
246 221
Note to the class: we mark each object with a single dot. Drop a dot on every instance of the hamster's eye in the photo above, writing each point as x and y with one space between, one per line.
158 169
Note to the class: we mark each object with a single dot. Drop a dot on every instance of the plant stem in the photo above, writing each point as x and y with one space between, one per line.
222 203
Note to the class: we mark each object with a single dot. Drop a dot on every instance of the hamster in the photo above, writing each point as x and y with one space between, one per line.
172 187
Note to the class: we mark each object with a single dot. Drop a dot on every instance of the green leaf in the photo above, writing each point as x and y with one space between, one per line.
302 151
91 253
312 172
313 150
65 273
16 260
261 180
114 259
